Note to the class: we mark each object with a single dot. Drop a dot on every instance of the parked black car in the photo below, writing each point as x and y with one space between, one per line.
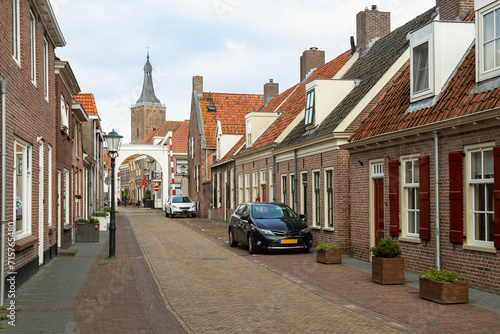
269 226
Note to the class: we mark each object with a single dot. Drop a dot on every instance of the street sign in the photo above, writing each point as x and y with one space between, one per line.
156 188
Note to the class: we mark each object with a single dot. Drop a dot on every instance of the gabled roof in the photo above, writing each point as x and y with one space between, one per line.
230 110
180 138
292 101
239 147
369 69
161 131
88 103
457 99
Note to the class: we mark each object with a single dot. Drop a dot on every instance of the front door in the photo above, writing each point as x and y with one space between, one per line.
263 187
378 209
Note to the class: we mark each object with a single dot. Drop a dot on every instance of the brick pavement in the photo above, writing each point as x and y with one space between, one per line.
353 289
215 290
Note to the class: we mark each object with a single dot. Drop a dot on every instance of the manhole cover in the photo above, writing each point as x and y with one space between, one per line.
215 260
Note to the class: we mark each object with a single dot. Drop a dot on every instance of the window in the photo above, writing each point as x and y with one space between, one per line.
293 198
491 40
179 163
309 119
249 132
304 194
248 191
49 167
329 198
46 67
316 200
421 67
16 31
22 189
219 197
481 183
33 47
197 178
256 194
283 188
411 197
271 185
191 147
240 188
64 116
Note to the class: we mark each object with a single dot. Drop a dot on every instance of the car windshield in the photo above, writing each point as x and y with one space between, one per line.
181 200
272 211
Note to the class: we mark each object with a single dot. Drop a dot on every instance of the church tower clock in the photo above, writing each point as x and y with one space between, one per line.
147 114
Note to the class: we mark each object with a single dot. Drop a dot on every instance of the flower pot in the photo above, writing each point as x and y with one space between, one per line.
444 292
333 256
388 270
87 232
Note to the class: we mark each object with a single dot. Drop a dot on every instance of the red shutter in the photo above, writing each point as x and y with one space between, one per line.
394 197
456 198
496 196
425 203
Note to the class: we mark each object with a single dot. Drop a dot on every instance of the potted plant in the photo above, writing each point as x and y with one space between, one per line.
87 230
388 267
103 218
328 253
442 286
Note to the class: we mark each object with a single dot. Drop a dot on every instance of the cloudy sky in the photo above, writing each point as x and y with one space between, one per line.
236 45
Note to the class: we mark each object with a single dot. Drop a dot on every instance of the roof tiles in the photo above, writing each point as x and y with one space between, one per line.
88 102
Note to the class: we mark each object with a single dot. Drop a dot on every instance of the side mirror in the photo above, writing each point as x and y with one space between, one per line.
244 217
301 216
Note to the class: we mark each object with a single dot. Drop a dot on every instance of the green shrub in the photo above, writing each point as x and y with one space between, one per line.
386 248
82 221
106 209
442 275
100 214
93 221
326 246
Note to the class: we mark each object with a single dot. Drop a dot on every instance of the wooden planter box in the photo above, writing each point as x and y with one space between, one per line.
444 292
388 270
87 232
329 256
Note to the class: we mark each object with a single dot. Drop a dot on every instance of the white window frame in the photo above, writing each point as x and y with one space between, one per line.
256 192
293 191
470 195
284 182
327 199
408 187
248 189
16 31
219 197
316 202
309 118
429 91
481 73
241 197
25 169
46 68
33 47
271 184
304 200
248 131
64 116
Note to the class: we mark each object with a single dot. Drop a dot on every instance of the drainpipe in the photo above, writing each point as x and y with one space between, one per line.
3 88
436 177
274 179
296 178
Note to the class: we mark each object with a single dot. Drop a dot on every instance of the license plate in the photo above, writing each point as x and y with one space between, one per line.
288 241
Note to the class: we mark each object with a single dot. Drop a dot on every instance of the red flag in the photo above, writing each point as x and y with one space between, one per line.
143 183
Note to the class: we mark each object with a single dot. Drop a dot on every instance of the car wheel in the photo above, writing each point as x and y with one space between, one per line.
251 244
232 242
166 213
171 214
193 215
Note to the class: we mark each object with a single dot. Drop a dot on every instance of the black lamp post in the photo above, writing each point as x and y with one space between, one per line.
113 140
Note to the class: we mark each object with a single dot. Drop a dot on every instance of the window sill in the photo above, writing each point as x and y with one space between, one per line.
328 229
67 227
485 249
316 227
411 239
24 243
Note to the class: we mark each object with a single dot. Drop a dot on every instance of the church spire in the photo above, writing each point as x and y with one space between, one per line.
148 92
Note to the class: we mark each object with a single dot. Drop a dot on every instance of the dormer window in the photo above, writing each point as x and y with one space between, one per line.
309 119
488 41
421 67
249 132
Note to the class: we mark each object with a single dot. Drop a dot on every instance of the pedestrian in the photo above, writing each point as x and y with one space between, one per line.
124 200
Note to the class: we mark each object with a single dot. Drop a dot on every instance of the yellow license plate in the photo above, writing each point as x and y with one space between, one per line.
288 241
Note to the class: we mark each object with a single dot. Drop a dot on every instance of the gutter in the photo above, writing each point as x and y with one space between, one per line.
3 89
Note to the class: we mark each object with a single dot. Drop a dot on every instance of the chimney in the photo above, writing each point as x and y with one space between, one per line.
451 10
370 25
198 84
271 90
311 59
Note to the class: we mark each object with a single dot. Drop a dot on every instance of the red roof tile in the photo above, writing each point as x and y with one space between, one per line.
230 111
161 131
180 138
88 102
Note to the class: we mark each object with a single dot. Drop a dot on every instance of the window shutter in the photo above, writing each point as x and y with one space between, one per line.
394 197
496 196
424 196
456 198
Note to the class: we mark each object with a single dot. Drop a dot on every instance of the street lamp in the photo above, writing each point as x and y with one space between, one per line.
113 141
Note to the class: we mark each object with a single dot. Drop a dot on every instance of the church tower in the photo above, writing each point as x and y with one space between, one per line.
147 114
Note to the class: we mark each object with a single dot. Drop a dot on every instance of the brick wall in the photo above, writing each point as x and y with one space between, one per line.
453 9
371 24
311 59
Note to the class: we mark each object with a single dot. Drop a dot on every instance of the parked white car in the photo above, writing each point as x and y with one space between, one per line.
180 205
